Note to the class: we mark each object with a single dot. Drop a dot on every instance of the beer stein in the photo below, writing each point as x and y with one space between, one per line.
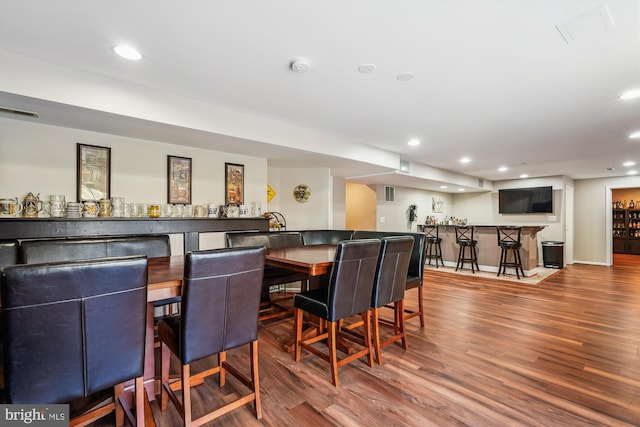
105 208
10 207
31 206
90 208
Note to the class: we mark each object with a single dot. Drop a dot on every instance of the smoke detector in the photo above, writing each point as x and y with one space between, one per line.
300 64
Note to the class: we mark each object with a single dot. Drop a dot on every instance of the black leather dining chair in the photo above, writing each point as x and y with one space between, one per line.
271 307
220 304
388 288
348 294
73 329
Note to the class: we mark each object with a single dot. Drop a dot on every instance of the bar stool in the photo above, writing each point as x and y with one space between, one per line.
509 240
464 239
434 247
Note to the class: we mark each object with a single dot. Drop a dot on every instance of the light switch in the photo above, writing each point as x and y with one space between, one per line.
381 219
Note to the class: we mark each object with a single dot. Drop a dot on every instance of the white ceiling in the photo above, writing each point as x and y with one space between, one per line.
532 85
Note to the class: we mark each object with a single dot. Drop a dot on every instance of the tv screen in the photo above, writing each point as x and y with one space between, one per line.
525 200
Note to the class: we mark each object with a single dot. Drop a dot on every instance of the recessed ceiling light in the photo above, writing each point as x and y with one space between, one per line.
405 77
366 68
413 142
633 172
503 169
524 175
127 52
632 94
465 160
629 164
460 189
635 135
443 186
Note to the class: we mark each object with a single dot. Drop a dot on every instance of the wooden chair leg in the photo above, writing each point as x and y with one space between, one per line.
298 333
421 305
333 351
165 358
376 335
366 329
255 378
186 395
222 357
400 322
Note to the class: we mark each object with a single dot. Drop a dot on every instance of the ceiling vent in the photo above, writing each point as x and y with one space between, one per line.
18 112
389 194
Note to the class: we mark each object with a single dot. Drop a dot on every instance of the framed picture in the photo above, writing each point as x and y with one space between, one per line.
94 172
234 184
179 180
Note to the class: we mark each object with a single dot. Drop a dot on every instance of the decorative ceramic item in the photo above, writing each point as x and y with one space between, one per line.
10 207
301 193
31 206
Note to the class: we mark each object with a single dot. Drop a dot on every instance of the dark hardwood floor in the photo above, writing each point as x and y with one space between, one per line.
565 352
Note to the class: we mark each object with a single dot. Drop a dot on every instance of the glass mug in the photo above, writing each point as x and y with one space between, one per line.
57 206
105 208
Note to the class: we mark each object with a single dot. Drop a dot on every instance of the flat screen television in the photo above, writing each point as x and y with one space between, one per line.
525 200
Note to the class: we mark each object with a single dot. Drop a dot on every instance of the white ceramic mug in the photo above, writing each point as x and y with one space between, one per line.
90 208
10 207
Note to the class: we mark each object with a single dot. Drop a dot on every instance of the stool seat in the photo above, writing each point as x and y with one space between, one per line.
464 239
509 241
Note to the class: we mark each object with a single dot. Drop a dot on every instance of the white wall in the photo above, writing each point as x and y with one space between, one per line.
316 213
41 159
395 213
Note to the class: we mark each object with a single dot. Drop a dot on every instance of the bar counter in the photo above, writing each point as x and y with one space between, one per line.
487 247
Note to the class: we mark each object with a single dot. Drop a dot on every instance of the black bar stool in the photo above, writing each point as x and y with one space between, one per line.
464 239
509 240
434 246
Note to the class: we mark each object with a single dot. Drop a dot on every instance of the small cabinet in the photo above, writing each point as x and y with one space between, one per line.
626 231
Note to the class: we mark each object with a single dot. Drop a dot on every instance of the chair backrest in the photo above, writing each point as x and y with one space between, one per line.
246 239
464 233
325 237
391 271
431 232
508 235
285 239
220 300
8 253
351 278
418 254
58 250
72 328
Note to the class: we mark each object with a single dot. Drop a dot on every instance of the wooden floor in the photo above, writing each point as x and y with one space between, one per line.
565 352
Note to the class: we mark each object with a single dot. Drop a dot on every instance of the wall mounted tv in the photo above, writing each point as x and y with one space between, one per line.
525 200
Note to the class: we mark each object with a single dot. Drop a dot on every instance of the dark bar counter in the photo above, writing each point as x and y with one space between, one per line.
38 228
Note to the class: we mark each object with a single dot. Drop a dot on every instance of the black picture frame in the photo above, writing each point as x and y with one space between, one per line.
93 176
234 184
179 180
